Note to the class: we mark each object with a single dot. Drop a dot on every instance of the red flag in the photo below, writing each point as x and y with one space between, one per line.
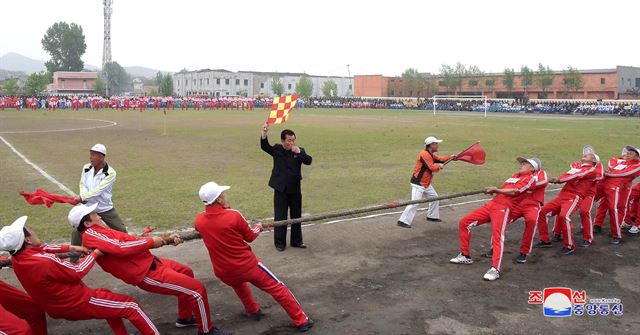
146 231
281 107
42 197
474 155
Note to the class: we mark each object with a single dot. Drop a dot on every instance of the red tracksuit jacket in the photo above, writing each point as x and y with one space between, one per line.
581 179
621 173
225 234
521 182
535 192
54 284
126 257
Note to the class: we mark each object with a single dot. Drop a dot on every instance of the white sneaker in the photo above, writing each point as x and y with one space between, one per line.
461 259
625 226
634 230
492 274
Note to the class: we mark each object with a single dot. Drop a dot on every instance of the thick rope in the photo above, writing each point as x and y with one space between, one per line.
192 235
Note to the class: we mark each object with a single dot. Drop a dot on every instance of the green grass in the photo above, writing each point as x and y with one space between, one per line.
360 157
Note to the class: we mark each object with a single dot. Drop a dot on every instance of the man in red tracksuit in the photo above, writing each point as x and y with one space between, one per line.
617 187
577 181
497 211
128 259
226 235
19 314
56 285
633 210
599 196
586 205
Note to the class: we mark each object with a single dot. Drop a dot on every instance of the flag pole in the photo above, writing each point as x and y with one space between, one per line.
461 152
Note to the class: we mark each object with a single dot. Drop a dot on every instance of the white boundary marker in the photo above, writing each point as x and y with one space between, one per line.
110 124
37 168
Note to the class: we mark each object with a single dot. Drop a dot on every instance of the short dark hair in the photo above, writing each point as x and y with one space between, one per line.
26 234
285 133
84 219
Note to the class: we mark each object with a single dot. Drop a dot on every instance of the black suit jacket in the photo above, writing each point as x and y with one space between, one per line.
287 167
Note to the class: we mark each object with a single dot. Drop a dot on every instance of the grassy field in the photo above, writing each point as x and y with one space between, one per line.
360 157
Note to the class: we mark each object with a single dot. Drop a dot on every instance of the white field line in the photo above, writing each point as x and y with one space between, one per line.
37 168
110 124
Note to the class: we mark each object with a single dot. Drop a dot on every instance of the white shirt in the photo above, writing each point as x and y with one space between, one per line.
97 188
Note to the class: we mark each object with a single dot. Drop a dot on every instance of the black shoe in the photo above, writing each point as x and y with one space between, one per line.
279 248
215 331
556 238
522 258
304 327
597 229
567 251
585 244
615 241
181 323
488 254
542 244
433 220
301 246
255 316
403 225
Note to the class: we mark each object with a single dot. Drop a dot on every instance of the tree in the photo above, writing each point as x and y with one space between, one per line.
159 78
276 86
36 83
166 86
329 88
544 77
459 72
447 74
509 79
572 79
100 87
65 43
11 86
116 78
304 87
490 83
527 79
415 82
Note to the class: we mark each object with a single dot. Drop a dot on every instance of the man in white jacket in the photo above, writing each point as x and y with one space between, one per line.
96 185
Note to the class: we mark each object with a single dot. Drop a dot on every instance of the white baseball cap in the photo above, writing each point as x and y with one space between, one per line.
535 162
99 148
632 148
430 140
78 212
589 150
210 191
12 237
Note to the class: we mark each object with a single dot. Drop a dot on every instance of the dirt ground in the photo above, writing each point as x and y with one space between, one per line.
370 276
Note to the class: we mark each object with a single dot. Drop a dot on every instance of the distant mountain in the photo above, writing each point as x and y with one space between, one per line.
16 62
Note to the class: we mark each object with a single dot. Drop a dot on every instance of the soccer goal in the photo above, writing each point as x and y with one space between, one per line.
459 99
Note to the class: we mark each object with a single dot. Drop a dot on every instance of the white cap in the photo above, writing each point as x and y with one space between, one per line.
12 237
535 162
430 140
210 191
99 148
587 149
78 212
632 148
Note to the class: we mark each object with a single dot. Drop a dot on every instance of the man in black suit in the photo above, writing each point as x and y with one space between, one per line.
285 181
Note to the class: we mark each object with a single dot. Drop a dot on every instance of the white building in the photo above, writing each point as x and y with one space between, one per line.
221 83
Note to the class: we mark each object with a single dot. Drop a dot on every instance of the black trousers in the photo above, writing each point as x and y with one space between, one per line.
283 203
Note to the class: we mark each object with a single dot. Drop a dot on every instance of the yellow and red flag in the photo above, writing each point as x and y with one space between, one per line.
281 108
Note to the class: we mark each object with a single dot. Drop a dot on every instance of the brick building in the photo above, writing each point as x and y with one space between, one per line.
623 82
73 83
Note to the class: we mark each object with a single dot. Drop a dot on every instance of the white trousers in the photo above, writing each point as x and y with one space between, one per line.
418 192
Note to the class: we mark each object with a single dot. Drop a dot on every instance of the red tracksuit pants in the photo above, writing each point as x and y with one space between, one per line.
614 201
19 311
498 215
112 307
13 325
530 211
585 218
173 278
633 210
562 207
266 281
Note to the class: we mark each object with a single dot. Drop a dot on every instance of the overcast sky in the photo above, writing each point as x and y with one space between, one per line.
322 37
